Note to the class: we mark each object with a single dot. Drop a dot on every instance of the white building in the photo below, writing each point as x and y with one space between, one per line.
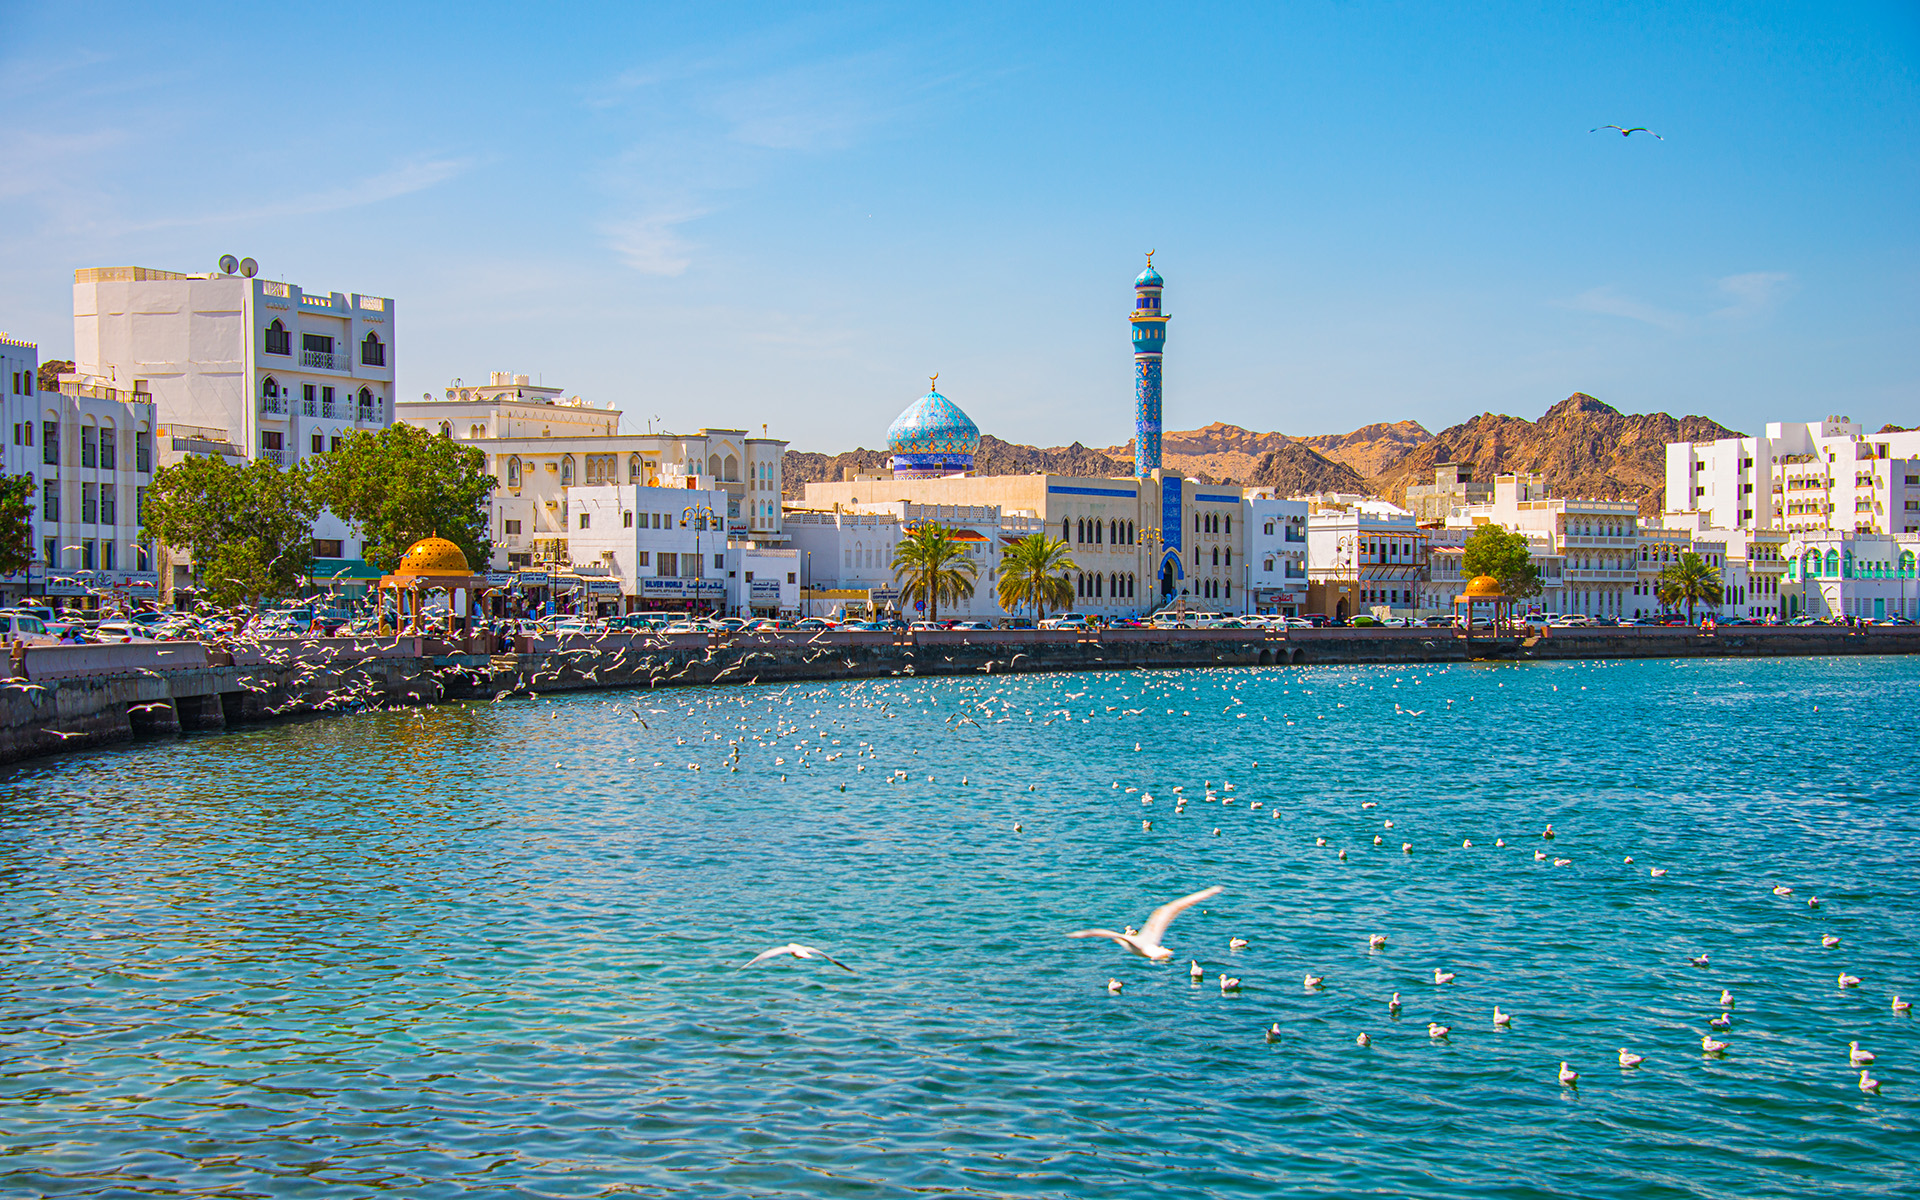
539 443
1801 476
1754 564
1447 577
1275 554
1364 556
90 452
846 555
239 366
663 545
1597 541
1843 574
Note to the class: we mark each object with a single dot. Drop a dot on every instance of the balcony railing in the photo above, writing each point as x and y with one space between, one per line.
325 360
332 411
370 412
277 457
276 406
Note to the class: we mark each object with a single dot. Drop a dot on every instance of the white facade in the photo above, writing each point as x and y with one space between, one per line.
664 550
1597 542
847 554
1367 557
1801 476
1276 554
90 452
539 444
1864 576
241 367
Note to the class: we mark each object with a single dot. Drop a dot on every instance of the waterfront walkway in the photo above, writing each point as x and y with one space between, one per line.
69 697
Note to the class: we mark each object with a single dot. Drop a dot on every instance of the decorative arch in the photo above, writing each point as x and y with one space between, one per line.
513 472
713 466
731 466
269 388
635 468
446 429
566 469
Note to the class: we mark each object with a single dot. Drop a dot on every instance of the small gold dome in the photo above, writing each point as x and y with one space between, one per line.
1484 587
433 556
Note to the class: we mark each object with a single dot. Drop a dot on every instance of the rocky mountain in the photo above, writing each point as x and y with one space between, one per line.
49 375
995 457
1295 468
1371 449
1221 451
1585 448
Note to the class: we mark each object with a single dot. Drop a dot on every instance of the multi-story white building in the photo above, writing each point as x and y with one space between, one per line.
666 546
1597 541
1364 556
1276 554
238 366
1801 476
1752 564
1447 577
540 443
89 450
1865 576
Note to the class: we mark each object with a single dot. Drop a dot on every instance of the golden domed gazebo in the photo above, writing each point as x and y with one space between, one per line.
1481 589
432 564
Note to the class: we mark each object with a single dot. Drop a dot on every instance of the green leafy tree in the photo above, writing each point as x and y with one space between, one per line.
16 522
933 568
1689 581
1497 551
403 484
1033 573
249 528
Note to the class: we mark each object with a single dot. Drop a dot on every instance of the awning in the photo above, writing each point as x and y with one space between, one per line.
967 535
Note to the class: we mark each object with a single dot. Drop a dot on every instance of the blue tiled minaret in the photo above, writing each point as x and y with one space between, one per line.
1149 339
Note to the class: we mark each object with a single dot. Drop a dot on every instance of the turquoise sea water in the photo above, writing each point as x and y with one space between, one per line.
492 950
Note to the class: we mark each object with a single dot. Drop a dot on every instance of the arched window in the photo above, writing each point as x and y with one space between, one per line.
1906 565
279 341
713 466
732 467
566 470
269 388
633 468
366 405
372 352
1229 554
513 472
1229 525
1833 563
1066 529
1216 556
446 429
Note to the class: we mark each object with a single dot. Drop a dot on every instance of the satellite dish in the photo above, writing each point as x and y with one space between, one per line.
249 268
228 264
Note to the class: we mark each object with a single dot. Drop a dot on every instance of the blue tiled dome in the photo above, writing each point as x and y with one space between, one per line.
1149 278
933 437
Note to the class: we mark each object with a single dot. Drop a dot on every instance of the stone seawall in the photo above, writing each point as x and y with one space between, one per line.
78 696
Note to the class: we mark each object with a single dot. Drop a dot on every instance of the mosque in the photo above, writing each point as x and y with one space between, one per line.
1140 542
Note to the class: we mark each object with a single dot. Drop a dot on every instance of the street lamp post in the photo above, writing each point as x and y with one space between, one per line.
705 513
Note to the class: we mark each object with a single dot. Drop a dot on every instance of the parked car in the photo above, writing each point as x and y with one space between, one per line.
1065 621
121 631
867 626
971 625
1397 622
27 629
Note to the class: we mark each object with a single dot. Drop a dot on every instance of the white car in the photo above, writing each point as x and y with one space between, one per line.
1065 621
122 631
1298 623
31 631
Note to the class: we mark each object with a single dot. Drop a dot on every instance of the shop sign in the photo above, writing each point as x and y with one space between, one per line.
673 588
500 578
533 579
766 589
603 587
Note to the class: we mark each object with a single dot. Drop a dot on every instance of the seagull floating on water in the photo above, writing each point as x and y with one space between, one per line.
1273 1032
1436 1030
1869 1084
1196 974
1363 1040
1782 890
1442 977
1313 981
1238 943
1858 1057
1568 1076
1710 1045
1114 986
1630 1059
1847 980
1829 941
1901 1006
1726 998
1377 942
1502 1019
1229 984
1723 1021
1699 962
1146 943
1393 1005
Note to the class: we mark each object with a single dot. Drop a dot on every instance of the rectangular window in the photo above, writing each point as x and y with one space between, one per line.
327 548
719 561
585 520
307 394
336 442
50 500
89 504
689 566
319 442
109 504
16 433
50 550
626 520
16 383
140 507
326 401
106 556
143 452
791 576
669 564
656 520
87 549
512 528
109 452
89 449
317 342
142 557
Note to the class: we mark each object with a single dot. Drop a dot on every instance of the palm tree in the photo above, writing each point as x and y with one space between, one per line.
931 567
1689 581
1033 571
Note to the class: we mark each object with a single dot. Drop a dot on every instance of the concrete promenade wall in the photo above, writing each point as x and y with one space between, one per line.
78 696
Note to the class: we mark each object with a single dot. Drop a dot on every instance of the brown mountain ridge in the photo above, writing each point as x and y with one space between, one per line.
1584 447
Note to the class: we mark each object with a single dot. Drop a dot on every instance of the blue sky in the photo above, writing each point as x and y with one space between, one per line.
730 215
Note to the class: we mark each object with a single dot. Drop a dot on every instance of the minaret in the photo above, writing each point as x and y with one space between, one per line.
1149 339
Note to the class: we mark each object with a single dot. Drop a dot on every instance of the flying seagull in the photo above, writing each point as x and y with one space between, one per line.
1626 132
1146 943
797 951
